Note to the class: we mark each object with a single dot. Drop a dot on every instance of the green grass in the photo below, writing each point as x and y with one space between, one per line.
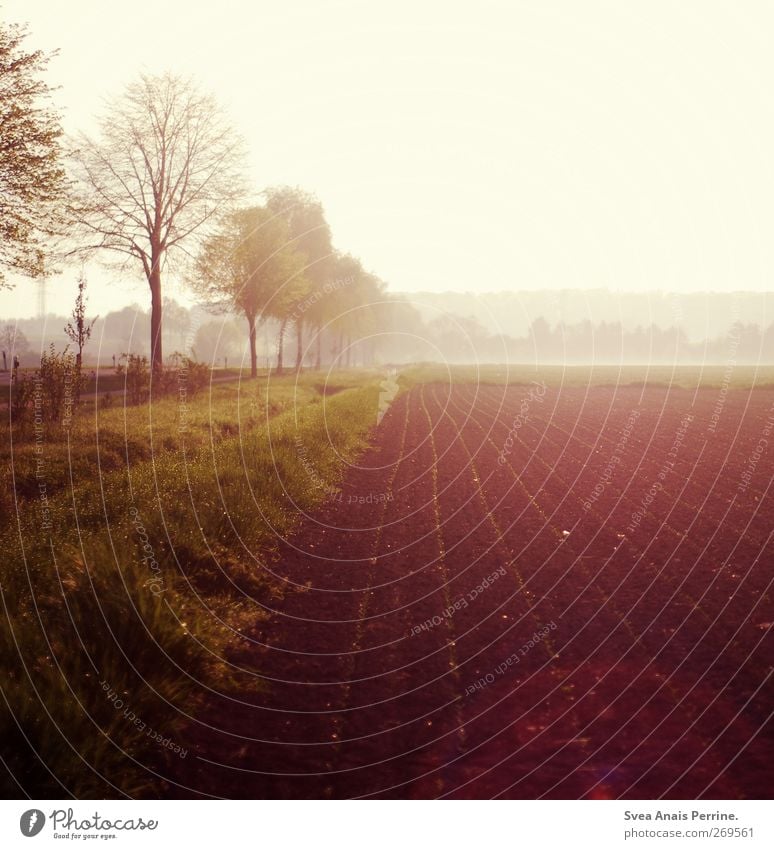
686 377
89 623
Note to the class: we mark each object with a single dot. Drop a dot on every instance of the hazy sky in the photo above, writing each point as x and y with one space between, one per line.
471 146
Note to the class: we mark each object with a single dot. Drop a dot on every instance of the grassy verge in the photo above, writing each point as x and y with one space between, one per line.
135 550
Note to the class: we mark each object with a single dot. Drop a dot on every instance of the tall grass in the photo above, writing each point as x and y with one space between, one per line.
135 549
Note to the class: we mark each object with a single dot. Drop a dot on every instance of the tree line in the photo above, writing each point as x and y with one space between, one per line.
370 333
160 188
397 333
467 340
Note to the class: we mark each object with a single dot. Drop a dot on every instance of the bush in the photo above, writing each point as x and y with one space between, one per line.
60 380
51 393
22 398
134 368
197 375
185 375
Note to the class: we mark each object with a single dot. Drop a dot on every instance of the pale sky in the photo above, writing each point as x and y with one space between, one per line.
470 146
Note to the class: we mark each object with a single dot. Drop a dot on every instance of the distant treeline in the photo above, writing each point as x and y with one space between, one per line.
611 342
701 314
394 333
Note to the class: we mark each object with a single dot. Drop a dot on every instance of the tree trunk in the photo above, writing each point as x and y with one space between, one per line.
299 346
349 350
253 354
157 359
281 344
318 358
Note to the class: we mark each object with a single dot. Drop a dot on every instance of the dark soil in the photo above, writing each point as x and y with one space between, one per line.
605 659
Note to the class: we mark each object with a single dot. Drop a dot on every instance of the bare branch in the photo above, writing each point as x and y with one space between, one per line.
165 166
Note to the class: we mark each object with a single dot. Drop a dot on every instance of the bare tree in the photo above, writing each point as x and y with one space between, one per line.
79 329
13 343
165 165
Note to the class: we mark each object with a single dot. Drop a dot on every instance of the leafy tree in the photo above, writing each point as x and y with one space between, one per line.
324 303
32 180
310 235
322 307
251 264
369 295
79 329
352 308
165 165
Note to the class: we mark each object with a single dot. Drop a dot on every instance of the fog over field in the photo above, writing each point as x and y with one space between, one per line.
699 314
563 326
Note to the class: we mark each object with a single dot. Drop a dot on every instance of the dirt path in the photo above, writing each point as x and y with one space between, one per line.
462 625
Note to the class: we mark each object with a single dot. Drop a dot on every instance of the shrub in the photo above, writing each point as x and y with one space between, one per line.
51 393
22 398
59 383
134 368
185 375
197 374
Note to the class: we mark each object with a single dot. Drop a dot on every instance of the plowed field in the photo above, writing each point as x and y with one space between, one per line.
522 592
